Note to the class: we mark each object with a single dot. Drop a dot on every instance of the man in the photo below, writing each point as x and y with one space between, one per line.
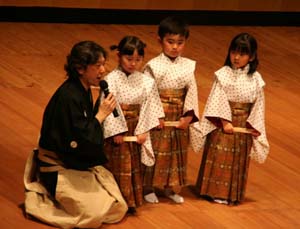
66 184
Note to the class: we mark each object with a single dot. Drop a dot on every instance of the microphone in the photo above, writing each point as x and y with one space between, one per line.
104 87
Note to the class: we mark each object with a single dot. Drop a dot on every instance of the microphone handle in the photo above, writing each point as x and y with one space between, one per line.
115 112
106 92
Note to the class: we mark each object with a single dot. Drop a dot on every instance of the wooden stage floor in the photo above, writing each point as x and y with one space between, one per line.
31 68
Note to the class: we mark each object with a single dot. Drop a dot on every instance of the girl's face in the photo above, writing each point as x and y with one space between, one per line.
173 45
238 59
130 63
92 75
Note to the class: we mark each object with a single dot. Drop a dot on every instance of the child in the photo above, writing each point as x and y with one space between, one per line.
139 110
174 76
236 100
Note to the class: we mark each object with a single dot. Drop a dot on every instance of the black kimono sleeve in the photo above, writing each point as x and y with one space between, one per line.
71 130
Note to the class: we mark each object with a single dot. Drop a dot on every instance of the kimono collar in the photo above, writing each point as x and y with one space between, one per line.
175 61
121 72
81 88
241 71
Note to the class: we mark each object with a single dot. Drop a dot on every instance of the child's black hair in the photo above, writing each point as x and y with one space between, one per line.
173 25
128 44
245 44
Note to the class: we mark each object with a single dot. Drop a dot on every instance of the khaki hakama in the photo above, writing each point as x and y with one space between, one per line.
84 199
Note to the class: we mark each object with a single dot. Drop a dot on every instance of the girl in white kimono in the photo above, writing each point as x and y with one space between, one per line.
175 79
139 111
233 125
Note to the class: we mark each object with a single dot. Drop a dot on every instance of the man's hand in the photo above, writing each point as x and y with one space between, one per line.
106 107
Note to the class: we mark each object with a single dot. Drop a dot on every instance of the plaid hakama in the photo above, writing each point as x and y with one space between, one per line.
169 145
224 169
124 160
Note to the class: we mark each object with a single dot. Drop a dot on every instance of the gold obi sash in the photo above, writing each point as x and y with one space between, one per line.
172 96
240 108
130 110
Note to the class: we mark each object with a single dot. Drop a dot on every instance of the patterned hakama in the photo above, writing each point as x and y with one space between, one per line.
169 145
224 168
124 160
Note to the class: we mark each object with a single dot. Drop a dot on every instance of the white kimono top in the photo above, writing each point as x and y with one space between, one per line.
137 88
178 74
237 86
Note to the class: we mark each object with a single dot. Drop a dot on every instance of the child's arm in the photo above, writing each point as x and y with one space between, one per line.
227 126
141 138
161 123
254 132
118 139
184 122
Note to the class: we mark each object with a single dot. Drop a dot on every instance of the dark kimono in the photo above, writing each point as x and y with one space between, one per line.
70 128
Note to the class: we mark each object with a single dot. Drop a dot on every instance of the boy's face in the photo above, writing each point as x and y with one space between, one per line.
173 45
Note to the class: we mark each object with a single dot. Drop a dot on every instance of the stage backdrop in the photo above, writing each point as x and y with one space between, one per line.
219 5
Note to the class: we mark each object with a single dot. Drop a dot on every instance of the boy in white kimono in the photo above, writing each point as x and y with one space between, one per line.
175 79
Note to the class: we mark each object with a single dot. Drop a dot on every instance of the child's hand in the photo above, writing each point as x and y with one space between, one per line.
255 133
141 138
184 122
161 123
227 126
118 139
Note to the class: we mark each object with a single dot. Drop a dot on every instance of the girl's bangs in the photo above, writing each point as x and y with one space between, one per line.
241 47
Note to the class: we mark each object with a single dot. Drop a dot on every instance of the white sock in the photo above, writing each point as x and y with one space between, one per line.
176 198
151 198
219 201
